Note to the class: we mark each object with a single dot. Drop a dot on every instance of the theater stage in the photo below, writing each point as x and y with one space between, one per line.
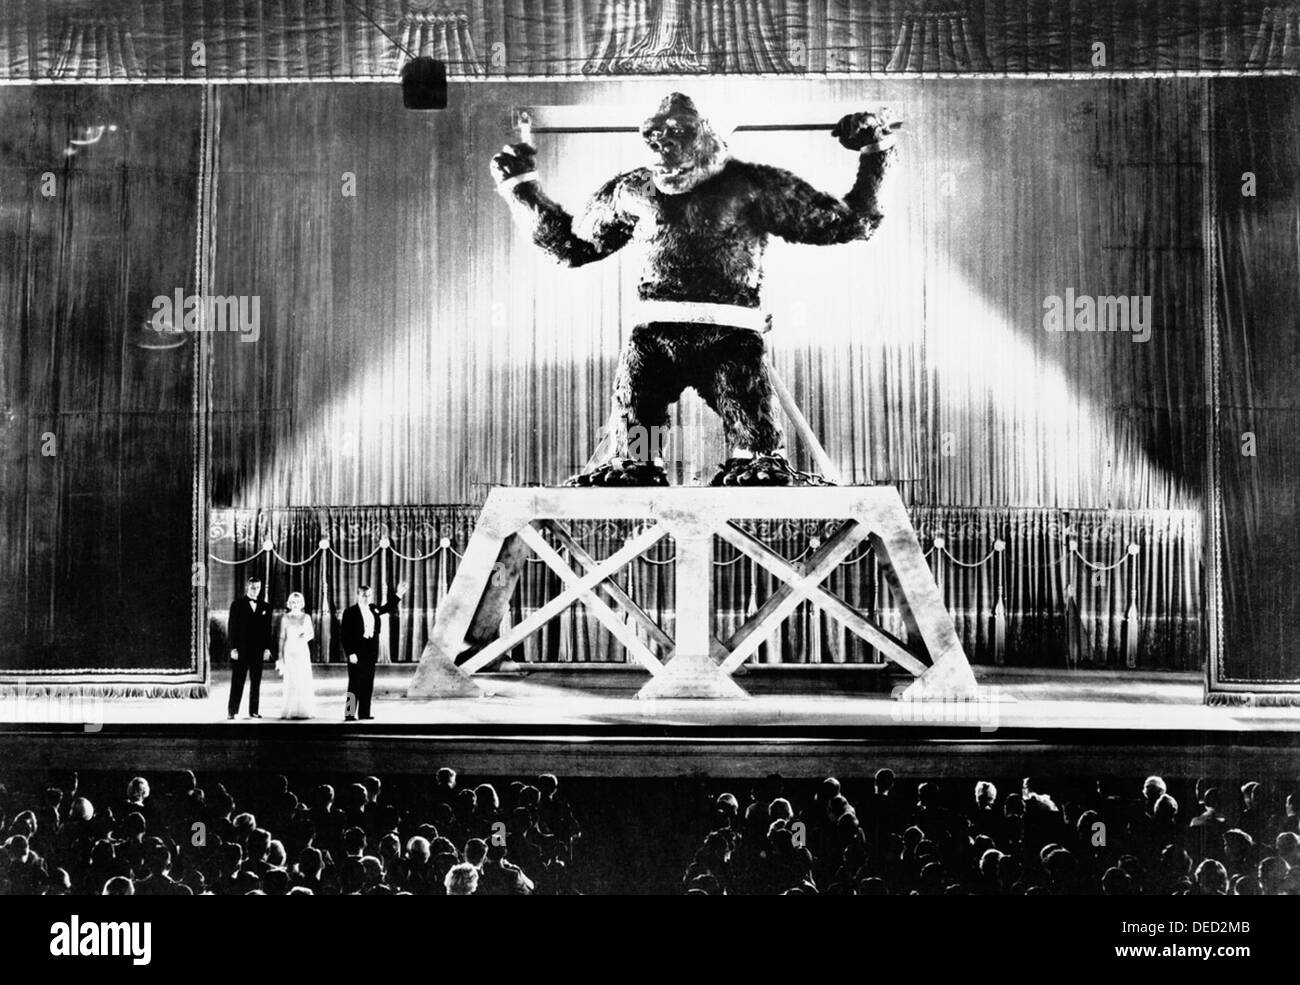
586 721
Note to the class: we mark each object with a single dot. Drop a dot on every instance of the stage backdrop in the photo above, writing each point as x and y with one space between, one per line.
415 349
97 217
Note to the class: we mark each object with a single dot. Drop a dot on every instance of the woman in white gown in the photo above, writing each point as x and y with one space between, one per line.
294 665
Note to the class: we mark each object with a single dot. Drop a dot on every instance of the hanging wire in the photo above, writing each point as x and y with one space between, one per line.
1101 567
968 564
295 564
348 560
253 557
417 557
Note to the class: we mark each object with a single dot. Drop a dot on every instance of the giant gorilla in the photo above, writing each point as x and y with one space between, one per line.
701 219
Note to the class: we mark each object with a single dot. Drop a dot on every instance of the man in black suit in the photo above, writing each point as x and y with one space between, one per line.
360 627
249 632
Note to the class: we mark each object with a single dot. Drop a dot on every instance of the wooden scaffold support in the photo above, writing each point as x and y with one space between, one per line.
695 663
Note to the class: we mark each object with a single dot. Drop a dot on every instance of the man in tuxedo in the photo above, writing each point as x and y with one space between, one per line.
249 632
360 626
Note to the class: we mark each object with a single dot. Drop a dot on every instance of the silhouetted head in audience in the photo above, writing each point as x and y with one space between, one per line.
310 863
461 880
374 787
259 843
1237 847
1153 788
444 846
137 791
1287 847
837 807
548 784
1165 810
355 797
119 886
445 779
374 870
530 797
1272 873
884 780
486 801
417 851
727 807
276 855
1116 882
58 882
872 886
986 794
24 824
466 803
132 827
82 810
1212 877
1013 805
275 882
988 865
475 852
244 824
1246 886
354 842
780 810
322 798
1249 792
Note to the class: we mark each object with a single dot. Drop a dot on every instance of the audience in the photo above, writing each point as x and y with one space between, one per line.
883 834
1045 840
175 838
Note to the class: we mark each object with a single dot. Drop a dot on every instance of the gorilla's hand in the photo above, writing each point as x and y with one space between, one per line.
514 161
867 131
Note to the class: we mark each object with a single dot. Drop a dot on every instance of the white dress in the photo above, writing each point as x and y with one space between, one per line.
295 658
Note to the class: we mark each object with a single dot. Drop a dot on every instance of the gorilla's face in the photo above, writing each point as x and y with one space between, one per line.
686 151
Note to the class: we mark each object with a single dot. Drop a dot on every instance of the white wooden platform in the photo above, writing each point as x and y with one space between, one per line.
694 664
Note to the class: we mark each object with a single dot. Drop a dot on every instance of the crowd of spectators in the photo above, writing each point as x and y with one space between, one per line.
438 838
972 838
438 835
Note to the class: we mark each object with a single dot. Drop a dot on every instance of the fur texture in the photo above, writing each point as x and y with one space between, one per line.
701 220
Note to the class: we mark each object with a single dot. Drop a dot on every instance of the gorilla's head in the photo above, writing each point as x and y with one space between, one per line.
685 146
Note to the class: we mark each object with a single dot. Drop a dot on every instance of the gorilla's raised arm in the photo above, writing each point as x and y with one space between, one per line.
603 228
791 208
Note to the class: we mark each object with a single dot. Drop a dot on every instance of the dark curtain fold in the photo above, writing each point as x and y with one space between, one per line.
97 218
1257 468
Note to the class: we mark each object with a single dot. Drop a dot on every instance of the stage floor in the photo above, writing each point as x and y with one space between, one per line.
792 698
586 721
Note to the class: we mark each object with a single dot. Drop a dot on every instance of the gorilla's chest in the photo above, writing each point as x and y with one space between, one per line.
716 214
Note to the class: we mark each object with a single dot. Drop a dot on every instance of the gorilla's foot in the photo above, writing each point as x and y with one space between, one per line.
621 472
764 470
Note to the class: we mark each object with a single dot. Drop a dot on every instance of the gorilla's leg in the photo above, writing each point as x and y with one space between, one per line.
648 381
732 378
736 384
